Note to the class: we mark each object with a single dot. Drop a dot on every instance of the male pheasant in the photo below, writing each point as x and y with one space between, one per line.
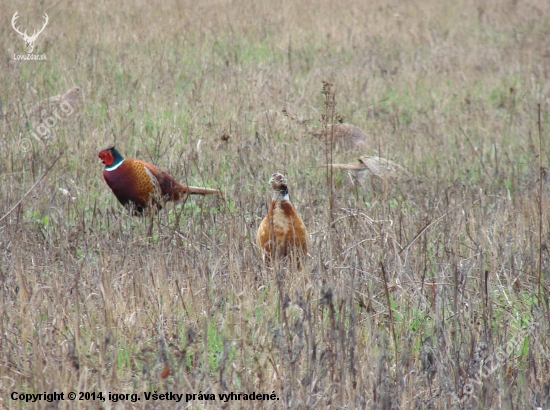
142 185
282 232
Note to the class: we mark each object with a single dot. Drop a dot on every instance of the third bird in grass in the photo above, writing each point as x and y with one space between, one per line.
142 185
282 232
347 135
60 104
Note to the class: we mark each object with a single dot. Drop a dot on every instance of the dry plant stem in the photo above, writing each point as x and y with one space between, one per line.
428 225
329 117
455 332
331 172
384 276
31 189
539 279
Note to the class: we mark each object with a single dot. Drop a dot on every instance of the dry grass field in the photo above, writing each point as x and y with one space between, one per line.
433 296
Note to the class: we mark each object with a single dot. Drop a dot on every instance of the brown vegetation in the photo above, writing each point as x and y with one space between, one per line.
405 303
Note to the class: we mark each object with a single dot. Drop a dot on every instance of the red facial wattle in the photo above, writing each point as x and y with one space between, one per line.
107 157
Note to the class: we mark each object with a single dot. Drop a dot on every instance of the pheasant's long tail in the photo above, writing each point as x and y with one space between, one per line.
194 190
345 166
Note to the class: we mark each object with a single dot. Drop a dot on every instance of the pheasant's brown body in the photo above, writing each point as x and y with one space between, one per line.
348 135
282 232
142 184
381 172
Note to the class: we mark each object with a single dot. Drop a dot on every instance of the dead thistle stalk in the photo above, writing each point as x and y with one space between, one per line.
329 116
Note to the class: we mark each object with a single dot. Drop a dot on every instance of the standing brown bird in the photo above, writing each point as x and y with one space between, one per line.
381 172
347 135
282 232
141 184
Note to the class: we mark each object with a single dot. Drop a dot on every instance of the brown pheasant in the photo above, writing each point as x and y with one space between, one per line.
347 135
379 170
63 105
282 232
142 185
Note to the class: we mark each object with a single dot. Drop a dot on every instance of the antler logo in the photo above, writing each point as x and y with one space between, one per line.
29 39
